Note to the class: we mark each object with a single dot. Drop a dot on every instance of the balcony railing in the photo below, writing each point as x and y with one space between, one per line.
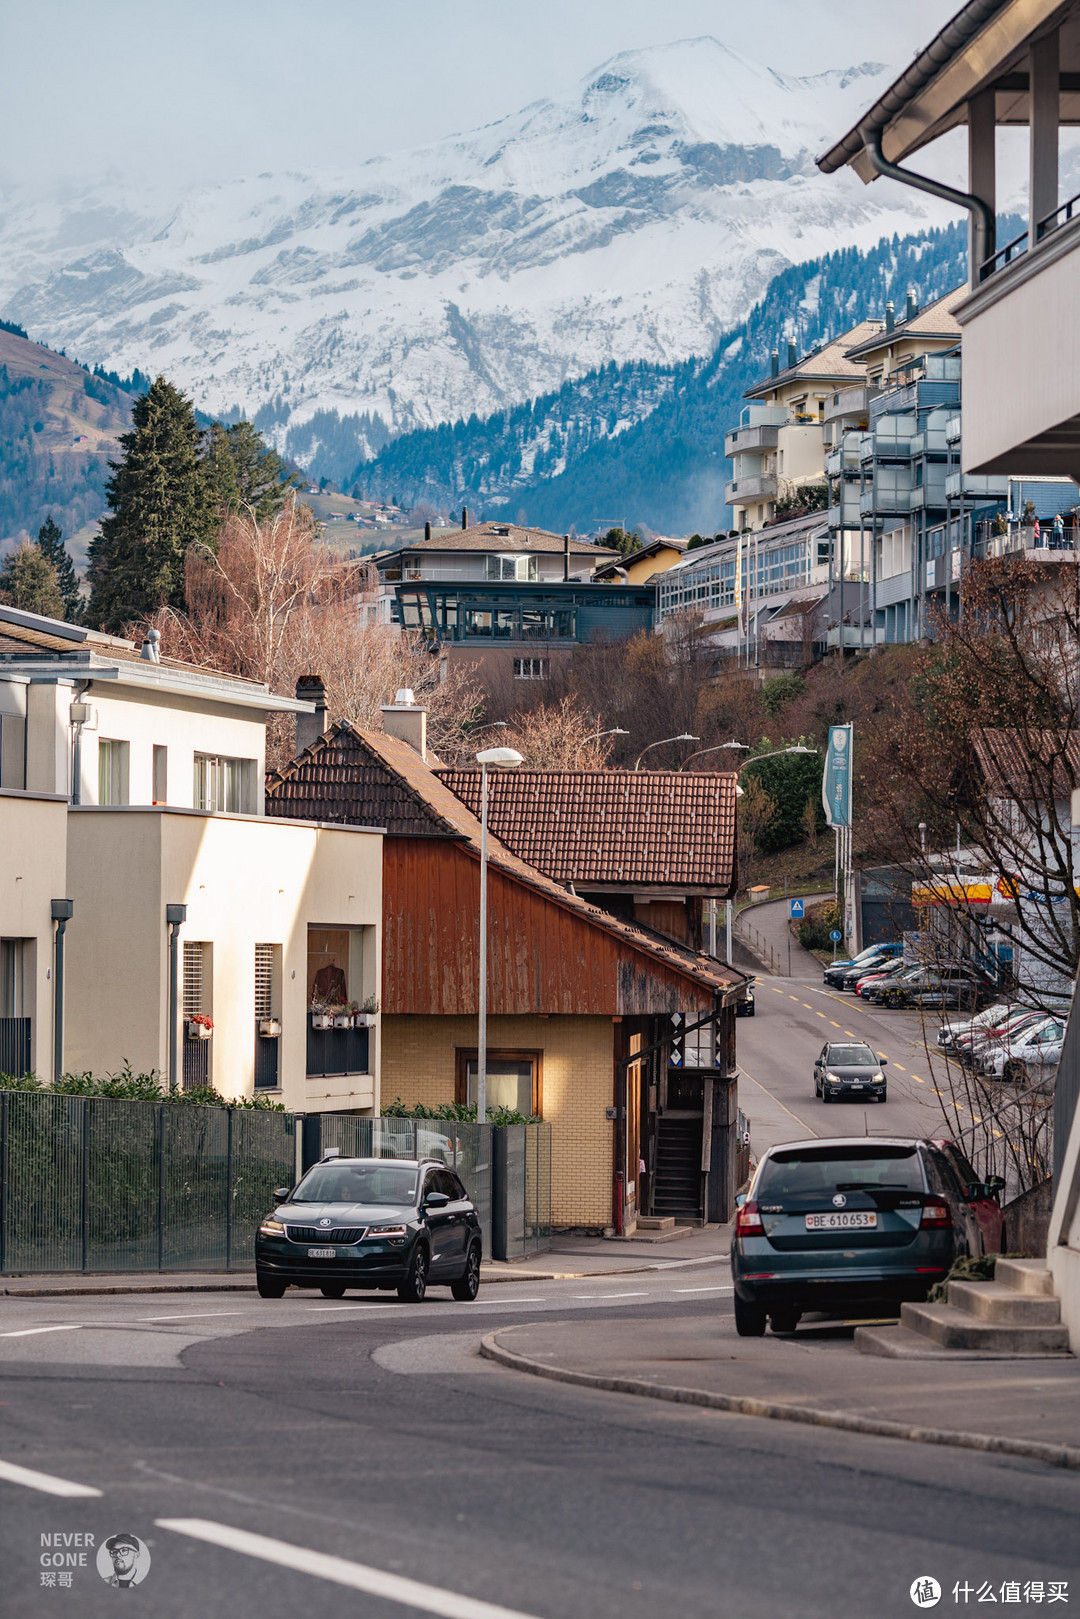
336 1051
1019 244
15 1046
1022 537
745 439
746 489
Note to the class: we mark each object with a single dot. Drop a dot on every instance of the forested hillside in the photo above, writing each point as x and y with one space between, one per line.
645 442
59 425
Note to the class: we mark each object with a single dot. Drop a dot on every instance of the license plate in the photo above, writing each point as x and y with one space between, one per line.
842 1220
322 1253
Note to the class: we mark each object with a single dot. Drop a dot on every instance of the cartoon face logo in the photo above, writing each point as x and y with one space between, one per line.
839 740
123 1561
839 1201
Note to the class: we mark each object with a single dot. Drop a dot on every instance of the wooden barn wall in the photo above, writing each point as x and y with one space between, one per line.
542 959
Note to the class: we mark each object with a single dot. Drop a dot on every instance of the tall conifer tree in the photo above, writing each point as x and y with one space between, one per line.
50 542
158 508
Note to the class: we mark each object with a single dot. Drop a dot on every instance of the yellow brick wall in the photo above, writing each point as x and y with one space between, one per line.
418 1065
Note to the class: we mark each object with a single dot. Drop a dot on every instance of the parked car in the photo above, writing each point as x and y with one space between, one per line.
871 989
842 1225
884 961
847 1068
745 1005
952 986
970 1048
1037 1043
983 1196
955 1028
836 971
371 1223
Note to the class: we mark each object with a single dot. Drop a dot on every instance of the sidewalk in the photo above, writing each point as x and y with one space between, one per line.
762 929
567 1258
1028 1408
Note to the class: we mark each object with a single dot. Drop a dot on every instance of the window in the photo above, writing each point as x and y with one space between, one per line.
510 567
194 985
514 1080
530 668
12 750
12 974
226 786
267 957
264 980
112 772
14 1024
161 775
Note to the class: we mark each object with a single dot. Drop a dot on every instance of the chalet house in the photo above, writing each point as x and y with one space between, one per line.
589 1013
653 847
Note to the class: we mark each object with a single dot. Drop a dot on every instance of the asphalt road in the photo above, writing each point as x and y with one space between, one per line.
776 1052
303 1457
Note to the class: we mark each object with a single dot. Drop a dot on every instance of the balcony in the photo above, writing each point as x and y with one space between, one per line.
332 1052
1043 547
1021 336
842 460
744 490
888 442
888 495
747 440
850 402
968 486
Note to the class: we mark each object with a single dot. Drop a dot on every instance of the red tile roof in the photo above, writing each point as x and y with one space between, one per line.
367 778
644 829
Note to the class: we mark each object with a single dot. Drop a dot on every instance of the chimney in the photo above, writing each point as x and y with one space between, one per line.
792 357
912 305
890 313
310 727
774 363
464 516
427 531
151 647
566 556
405 719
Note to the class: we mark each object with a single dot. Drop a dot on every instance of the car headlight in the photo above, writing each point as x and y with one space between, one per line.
834 1079
398 1231
879 1078
272 1228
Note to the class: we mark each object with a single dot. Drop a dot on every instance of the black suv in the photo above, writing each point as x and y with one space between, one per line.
371 1223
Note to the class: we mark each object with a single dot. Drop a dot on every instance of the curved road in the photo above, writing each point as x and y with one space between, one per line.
306 1457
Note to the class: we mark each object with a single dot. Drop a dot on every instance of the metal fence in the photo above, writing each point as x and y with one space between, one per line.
98 1184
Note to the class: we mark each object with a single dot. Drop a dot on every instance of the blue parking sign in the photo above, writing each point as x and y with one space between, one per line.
797 910
836 935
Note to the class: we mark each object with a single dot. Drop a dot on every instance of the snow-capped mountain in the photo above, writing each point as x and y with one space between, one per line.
635 218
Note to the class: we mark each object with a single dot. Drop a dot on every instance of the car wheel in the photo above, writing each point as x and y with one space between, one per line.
333 1290
467 1285
414 1287
826 1095
749 1319
1009 1074
883 1097
785 1320
268 1288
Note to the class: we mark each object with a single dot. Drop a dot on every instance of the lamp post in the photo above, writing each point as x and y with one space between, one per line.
716 748
615 730
494 759
684 736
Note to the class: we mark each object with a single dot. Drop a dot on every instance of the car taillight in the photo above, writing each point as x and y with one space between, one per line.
748 1222
936 1216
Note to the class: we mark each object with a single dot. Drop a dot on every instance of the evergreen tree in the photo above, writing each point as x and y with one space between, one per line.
158 509
50 542
28 580
240 472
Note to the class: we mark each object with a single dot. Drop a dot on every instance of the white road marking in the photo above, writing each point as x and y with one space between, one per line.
704 1290
28 1332
193 1315
611 1295
43 1481
357 1576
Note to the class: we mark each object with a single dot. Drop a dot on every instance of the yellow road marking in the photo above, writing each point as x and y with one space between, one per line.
821 1014
808 1007
775 990
834 1023
916 1078
998 1134
850 1035
793 997
901 1067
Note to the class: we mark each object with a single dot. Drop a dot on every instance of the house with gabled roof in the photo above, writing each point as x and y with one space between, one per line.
587 1011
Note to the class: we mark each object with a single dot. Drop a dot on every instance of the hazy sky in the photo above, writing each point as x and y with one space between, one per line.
191 90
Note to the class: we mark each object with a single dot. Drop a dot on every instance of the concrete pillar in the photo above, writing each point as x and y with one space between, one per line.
982 175
1044 95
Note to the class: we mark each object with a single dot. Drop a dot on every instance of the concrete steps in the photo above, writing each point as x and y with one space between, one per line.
1014 1315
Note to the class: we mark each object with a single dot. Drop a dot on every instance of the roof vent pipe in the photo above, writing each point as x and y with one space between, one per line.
774 363
310 727
792 357
566 556
427 533
890 316
151 647
912 305
464 516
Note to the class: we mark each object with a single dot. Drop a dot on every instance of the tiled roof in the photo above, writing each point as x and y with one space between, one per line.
505 537
829 363
370 779
935 320
653 828
1024 764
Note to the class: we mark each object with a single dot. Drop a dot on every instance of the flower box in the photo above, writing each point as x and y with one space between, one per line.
321 1020
269 1027
343 1020
366 1020
198 1031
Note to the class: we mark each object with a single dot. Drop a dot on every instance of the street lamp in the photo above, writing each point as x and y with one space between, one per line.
493 759
775 754
616 730
684 736
716 748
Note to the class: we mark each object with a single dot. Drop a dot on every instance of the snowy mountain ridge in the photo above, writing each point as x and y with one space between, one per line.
636 218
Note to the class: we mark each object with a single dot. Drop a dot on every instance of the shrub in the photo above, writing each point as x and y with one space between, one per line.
461 1112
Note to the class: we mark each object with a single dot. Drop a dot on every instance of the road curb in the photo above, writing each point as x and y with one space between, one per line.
233 1284
1067 1456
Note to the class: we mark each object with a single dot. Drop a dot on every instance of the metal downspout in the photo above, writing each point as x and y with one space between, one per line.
981 212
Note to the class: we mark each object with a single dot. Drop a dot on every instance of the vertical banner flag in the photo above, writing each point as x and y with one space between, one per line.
836 781
738 586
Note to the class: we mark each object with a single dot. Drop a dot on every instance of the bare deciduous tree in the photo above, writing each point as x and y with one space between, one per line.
559 736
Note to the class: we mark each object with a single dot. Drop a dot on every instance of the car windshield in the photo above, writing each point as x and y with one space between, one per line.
851 1056
357 1183
807 1171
